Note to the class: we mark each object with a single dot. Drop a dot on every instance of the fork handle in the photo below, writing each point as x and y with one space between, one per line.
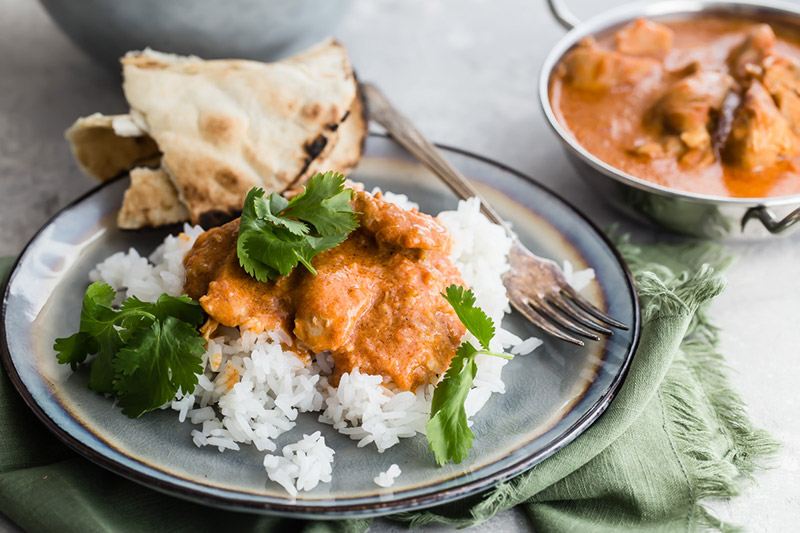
401 130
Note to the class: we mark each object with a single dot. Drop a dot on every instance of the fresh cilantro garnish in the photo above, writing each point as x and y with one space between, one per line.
449 435
472 316
275 234
145 351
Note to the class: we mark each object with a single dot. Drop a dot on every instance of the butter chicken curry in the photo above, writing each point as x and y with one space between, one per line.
705 105
375 301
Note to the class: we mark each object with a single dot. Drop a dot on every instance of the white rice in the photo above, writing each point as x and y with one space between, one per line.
362 408
133 275
386 479
526 346
578 279
303 466
252 389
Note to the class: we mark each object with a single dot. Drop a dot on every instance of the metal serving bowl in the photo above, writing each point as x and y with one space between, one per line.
700 215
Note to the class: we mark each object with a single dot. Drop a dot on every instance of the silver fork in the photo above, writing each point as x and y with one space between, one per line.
536 287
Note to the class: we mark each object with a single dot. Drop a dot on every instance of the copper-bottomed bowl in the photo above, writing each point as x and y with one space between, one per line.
699 215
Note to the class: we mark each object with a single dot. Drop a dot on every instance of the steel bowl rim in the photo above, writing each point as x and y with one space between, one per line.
606 20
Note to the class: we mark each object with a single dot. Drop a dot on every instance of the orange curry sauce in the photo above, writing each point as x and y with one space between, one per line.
375 302
704 105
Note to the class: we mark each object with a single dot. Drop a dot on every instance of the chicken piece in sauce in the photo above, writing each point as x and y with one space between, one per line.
589 67
782 80
668 146
745 60
687 109
398 227
760 134
643 37
226 292
375 302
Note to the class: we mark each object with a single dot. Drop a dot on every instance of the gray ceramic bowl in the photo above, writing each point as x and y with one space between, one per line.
250 29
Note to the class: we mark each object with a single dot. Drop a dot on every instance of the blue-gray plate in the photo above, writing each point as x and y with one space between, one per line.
552 395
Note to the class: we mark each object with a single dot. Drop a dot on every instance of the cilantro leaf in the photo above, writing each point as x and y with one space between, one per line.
97 322
279 254
181 307
156 362
145 351
284 254
473 317
275 234
75 348
99 294
96 312
447 430
325 204
269 210
101 372
250 223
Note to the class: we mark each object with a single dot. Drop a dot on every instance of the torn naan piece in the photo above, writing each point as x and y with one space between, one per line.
225 126
151 200
107 146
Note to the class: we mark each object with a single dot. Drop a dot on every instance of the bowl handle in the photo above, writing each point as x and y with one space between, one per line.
562 14
769 219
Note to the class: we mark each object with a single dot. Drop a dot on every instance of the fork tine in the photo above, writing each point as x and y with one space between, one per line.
528 312
587 306
549 312
562 304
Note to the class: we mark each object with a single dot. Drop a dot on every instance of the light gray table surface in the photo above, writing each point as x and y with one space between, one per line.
465 72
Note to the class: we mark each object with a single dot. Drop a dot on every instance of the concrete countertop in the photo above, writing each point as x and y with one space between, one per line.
465 72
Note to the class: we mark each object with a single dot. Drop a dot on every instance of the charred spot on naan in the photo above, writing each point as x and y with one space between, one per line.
315 112
220 129
211 219
316 146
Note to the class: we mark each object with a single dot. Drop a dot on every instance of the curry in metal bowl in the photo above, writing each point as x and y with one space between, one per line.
708 105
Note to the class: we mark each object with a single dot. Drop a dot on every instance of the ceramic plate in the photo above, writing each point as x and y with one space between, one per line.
552 395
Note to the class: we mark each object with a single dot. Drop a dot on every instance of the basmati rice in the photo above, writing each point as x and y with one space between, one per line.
386 479
303 466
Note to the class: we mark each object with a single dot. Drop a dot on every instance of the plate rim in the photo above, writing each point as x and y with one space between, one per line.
363 510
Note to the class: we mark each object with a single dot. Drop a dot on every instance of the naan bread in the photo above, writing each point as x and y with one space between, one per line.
107 146
225 126
151 200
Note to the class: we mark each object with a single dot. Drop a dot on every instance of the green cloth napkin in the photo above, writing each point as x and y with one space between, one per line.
675 434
